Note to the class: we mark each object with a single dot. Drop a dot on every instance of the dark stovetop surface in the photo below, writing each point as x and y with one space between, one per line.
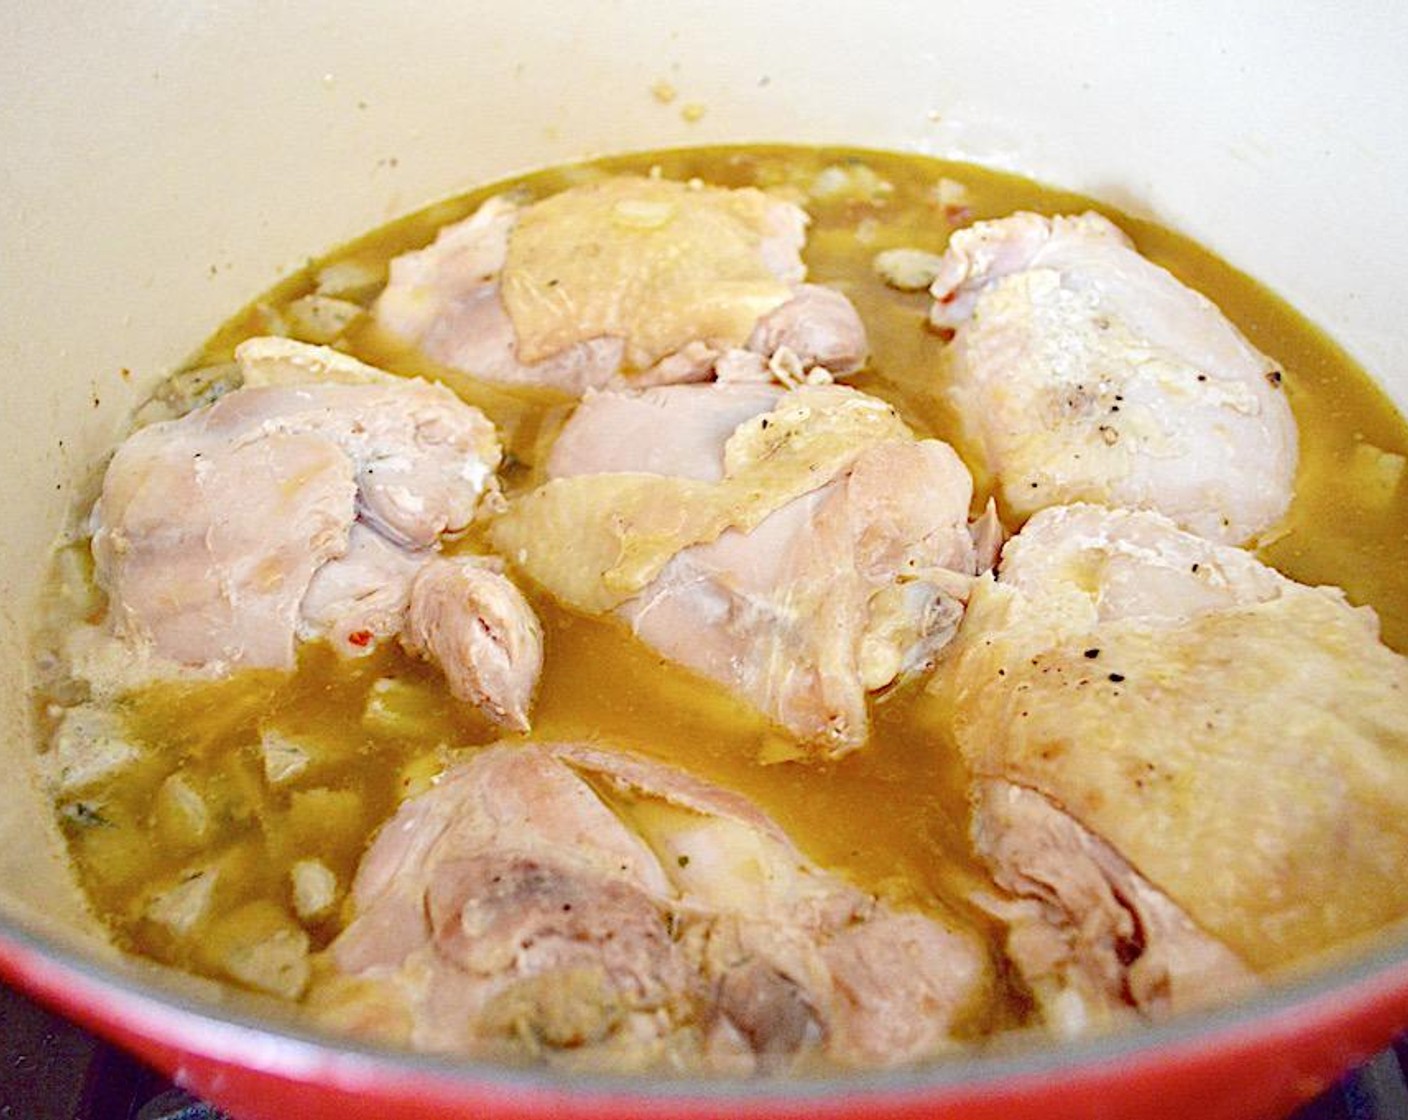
52 1070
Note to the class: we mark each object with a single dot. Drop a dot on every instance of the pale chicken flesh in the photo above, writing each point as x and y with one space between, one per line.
1084 372
1166 738
309 504
467 617
598 910
623 280
802 547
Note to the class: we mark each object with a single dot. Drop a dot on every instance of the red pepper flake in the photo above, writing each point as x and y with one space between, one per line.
360 638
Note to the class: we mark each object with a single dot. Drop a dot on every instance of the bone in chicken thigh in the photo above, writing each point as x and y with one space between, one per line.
628 279
1083 372
1166 738
802 547
604 911
308 504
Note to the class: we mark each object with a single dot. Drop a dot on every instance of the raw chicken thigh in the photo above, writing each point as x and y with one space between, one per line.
626 279
599 910
309 504
802 547
1166 737
1083 372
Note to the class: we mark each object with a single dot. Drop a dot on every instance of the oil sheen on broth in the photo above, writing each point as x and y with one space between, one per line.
892 816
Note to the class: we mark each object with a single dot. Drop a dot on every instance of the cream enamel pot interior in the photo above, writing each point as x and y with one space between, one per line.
161 163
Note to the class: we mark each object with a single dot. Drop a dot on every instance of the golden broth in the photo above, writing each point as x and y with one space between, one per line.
892 816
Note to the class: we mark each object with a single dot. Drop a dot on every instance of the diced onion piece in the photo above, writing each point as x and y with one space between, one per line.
260 946
181 813
284 759
351 279
89 745
182 907
321 319
314 888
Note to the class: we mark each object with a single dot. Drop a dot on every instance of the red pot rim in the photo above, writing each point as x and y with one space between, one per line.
1373 987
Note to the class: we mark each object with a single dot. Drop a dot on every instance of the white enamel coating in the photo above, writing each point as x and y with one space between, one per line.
162 161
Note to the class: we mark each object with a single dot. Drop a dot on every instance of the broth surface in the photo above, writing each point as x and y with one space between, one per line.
892 816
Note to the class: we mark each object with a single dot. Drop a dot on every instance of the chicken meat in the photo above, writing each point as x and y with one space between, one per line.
594 909
467 617
1165 737
627 279
309 504
1084 372
801 547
